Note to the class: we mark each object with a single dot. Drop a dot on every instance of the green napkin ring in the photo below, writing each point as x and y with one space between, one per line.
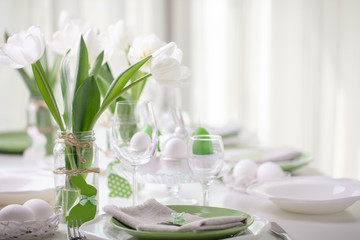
178 218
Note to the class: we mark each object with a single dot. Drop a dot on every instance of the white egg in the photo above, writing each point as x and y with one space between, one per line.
269 171
41 209
140 141
245 170
175 148
163 139
16 212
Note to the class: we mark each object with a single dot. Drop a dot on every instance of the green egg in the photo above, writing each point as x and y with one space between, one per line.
202 147
200 131
149 131
158 147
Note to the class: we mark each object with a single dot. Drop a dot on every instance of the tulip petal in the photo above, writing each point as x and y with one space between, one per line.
6 61
168 50
25 48
143 47
14 53
121 36
31 50
93 44
177 54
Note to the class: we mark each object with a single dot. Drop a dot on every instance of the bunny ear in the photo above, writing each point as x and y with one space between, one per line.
180 118
175 117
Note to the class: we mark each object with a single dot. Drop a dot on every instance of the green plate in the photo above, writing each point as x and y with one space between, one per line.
201 211
250 153
295 163
14 142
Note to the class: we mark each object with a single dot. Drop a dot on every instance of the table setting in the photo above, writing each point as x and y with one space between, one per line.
190 182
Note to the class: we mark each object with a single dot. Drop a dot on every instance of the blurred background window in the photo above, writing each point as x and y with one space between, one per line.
285 70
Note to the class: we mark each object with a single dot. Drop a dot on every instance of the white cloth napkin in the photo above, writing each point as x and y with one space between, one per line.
228 130
279 154
152 216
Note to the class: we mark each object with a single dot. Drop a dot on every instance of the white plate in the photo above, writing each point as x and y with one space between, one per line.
100 228
309 195
18 187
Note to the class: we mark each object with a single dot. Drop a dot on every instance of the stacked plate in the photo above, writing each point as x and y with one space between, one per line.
309 195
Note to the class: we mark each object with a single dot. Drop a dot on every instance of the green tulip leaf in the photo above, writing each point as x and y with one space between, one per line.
117 87
97 65
65 81
137 89
66 198
85 105
82 69
53 71
105 74
47 93
29 82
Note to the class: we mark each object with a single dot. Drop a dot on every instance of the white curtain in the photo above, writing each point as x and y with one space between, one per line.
287 70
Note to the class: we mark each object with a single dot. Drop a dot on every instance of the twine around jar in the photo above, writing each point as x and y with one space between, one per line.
41 104
74 172
38 103
71 139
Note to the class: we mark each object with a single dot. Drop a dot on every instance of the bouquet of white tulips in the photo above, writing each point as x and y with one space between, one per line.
91 89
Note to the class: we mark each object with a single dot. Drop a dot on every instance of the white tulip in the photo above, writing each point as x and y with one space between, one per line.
121 36
68 35
166 66
143 47
95 45
23 49
65 20
65 39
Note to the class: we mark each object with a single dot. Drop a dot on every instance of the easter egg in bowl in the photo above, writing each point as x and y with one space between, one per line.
34 219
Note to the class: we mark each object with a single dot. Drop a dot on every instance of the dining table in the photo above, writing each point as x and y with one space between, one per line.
341 225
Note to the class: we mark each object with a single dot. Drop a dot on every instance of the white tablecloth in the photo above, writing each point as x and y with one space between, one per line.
343 225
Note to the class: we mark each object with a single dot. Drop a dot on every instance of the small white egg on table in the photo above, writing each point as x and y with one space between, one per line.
270 171
245 170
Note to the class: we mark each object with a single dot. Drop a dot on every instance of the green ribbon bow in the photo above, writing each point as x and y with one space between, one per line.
84 199
178 219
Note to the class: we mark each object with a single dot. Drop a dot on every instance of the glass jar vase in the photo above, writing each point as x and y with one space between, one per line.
76 175
38 115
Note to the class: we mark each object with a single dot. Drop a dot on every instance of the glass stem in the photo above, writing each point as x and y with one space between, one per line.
205 189
173 191
135 187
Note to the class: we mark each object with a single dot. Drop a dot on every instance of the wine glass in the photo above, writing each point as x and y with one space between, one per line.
206 160
134 136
